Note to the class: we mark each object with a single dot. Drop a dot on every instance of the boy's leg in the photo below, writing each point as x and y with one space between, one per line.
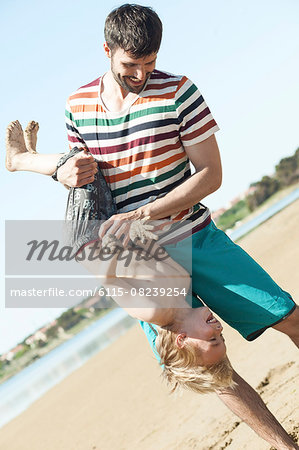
137 267
30 136
19 158
87 206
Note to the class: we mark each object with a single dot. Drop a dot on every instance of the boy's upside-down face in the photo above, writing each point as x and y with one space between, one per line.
202 331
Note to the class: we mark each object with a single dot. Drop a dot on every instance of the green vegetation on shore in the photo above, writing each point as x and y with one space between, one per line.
286 174
233 215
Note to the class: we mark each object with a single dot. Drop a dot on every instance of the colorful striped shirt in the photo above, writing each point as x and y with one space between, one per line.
141 149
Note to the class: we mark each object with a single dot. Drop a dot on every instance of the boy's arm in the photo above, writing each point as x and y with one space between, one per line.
142 281
245 402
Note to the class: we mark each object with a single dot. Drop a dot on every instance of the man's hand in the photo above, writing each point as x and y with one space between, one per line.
78 170
119 225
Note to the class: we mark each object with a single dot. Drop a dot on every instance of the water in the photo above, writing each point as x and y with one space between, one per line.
271 211
20 391
17 393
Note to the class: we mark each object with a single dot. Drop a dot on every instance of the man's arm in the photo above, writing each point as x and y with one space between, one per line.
208 177
78 170
245 402
81 168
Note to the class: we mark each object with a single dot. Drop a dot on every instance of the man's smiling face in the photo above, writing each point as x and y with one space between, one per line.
129 72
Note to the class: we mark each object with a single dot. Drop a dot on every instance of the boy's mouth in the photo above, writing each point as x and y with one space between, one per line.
211 319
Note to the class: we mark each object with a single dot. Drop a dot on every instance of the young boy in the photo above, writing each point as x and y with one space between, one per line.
189 341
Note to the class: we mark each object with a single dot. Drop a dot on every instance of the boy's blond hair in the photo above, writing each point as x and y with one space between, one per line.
181 367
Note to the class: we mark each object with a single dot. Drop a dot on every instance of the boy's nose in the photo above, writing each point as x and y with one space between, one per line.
218 328
215 330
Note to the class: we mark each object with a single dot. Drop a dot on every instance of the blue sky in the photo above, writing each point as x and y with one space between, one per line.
243 56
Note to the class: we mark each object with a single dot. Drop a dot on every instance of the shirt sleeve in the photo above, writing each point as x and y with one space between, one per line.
195 119
151 333
74 137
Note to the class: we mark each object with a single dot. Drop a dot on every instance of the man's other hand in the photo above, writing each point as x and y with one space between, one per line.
78 170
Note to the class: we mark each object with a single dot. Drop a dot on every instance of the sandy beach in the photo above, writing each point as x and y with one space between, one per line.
117 399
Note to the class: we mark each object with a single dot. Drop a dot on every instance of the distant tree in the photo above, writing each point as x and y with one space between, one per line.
251 202
69 319
52 332
264 189
287 170
40 343
295 177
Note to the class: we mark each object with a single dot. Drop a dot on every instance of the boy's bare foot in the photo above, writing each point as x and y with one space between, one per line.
30 135
15 145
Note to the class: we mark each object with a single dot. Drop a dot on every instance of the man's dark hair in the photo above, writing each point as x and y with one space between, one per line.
134 28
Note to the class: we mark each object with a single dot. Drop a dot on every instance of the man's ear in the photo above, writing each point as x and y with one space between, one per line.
180 340
107 50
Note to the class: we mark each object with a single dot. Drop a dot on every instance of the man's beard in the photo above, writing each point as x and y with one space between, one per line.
122 82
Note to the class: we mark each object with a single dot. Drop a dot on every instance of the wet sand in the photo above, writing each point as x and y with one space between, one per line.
118 401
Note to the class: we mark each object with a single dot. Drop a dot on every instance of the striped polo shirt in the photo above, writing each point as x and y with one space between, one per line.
141 149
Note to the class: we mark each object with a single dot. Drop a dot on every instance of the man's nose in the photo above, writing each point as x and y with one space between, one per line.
139 72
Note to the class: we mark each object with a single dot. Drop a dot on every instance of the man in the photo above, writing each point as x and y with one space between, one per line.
144 126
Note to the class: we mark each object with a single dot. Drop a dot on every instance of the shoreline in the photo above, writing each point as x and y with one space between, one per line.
265 213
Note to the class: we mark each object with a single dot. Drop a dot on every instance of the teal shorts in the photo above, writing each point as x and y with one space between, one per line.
230 283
